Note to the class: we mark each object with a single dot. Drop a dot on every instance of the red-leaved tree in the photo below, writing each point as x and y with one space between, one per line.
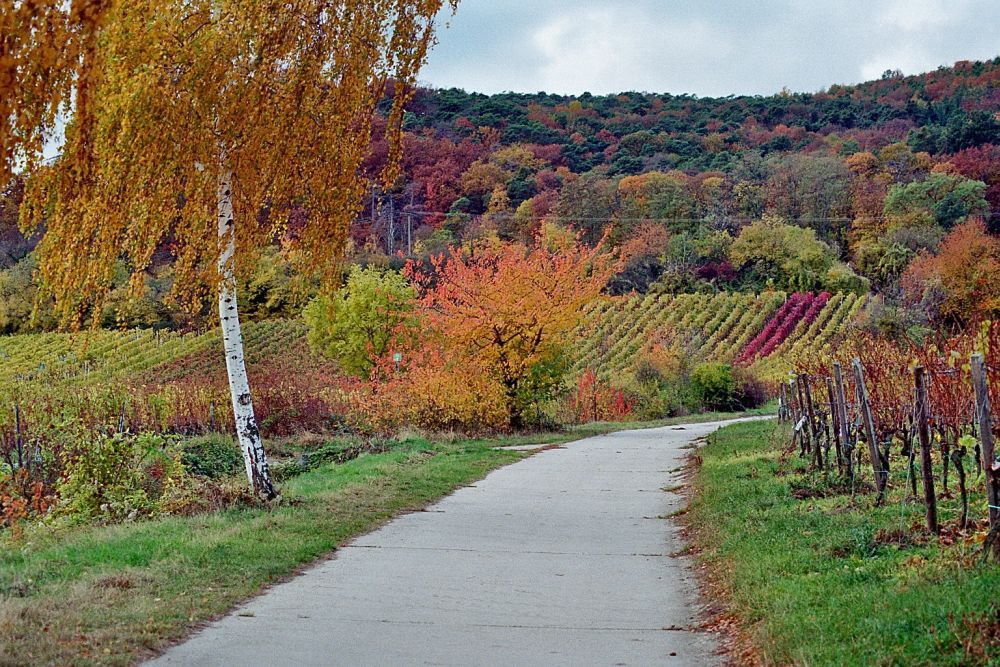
962 281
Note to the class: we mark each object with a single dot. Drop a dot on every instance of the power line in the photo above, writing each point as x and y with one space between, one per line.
744 219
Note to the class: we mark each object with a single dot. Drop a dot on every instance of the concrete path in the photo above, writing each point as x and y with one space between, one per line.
565 558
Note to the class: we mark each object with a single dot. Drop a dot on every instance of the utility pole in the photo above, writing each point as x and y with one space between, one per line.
392 223
409 226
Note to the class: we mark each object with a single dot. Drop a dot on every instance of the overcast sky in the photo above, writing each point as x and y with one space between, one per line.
712 48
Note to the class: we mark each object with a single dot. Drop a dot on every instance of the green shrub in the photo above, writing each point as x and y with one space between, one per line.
372 316
653 395
215 455
713 385
841 278
119 476
661 386
544 382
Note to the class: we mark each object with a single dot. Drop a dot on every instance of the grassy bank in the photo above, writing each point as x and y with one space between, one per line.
113 594
830 580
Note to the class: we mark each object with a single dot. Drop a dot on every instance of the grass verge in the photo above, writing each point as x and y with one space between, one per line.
827 579
116 594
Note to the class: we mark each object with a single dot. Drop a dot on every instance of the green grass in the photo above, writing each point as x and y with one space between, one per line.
832 580
115 594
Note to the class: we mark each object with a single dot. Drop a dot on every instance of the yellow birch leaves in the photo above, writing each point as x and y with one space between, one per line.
285 94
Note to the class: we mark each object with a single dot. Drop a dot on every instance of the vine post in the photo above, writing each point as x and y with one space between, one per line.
813 431
991 470
923 431
835 423
845 428
803 426
793 410
879 468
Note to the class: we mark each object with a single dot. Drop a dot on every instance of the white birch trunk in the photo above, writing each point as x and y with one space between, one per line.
247 430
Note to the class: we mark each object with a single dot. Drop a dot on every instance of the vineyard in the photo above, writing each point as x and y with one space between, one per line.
767 332
910 421
865 415
171 382
158 381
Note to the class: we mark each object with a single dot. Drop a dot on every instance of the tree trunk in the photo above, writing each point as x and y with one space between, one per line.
247 430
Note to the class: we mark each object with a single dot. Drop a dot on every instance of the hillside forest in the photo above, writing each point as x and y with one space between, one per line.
886 186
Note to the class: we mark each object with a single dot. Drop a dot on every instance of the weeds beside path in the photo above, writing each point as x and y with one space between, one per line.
826 579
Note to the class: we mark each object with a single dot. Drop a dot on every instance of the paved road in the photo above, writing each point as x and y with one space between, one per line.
565 558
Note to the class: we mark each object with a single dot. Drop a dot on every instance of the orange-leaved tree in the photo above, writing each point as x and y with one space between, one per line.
208 122
512 307
961 282
433 386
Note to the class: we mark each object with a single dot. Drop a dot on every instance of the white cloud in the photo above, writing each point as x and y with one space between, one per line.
919 33
718 48
609 50
910 59
917 15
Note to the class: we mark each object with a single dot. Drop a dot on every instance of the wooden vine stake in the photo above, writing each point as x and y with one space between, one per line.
805 414
804 434
813 430
792 405
868 423
791 391
800 412
845 427
985 422
835 423
924 432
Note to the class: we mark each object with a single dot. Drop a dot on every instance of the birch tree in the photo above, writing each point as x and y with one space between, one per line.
206 125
